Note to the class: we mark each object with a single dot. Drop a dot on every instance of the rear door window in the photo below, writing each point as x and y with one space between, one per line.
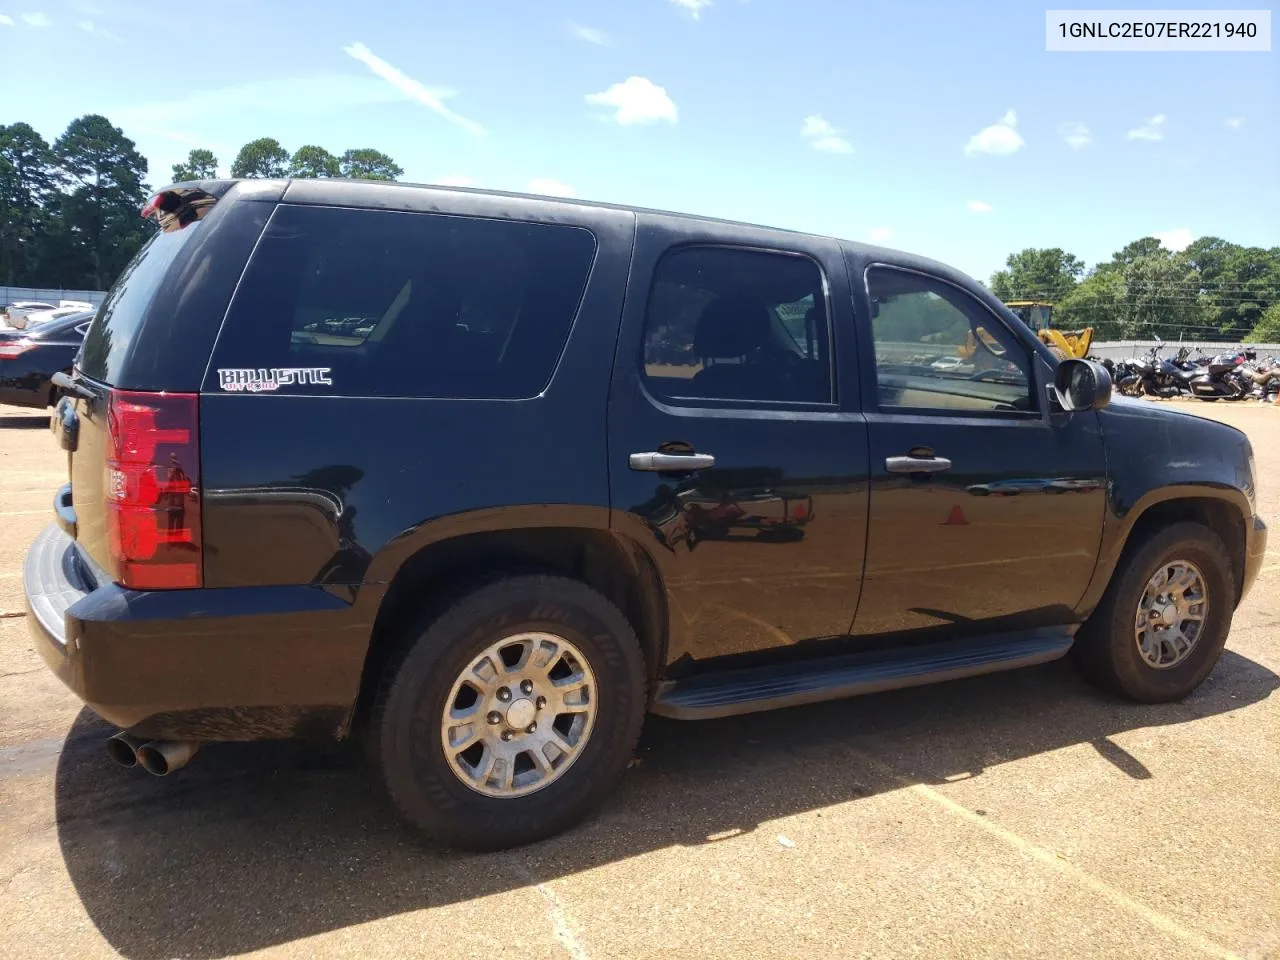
737 324
379 303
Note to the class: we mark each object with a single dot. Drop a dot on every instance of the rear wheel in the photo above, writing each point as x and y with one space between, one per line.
1164 619
512 715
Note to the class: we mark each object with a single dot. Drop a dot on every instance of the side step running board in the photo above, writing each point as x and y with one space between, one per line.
732 692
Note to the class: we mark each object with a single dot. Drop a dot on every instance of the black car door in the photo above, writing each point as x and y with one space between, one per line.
986 505
737 454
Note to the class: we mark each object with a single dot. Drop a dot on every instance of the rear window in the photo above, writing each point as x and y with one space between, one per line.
106 346
379 303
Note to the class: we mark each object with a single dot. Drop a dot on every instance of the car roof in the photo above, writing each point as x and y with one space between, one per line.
346 192
58 325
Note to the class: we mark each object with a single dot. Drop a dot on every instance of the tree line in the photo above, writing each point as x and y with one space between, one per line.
1212 290
69 211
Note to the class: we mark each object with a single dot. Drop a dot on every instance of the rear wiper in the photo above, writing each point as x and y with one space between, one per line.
67 382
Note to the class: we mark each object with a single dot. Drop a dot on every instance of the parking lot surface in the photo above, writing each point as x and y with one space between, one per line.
1021 814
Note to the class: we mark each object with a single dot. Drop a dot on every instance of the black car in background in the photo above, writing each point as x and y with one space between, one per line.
29 358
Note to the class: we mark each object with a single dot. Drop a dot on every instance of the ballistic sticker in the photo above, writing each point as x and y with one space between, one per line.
264 379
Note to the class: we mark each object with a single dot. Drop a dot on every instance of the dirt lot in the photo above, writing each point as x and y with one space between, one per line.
1014 815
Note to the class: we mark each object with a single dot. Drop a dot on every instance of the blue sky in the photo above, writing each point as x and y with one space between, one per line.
941 128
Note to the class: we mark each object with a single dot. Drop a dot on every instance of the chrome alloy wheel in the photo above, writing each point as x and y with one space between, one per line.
519 715
1171 614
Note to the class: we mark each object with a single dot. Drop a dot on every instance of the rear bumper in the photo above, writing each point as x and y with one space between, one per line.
1255 551
242 663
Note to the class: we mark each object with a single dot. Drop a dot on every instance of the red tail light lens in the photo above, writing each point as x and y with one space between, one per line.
14 348
153 489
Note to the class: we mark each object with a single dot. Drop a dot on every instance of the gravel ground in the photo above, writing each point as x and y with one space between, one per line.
1014 815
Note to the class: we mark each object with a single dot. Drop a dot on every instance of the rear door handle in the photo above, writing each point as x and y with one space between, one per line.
655 462
917 464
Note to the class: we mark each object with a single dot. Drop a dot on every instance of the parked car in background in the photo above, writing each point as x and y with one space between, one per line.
29 358
25 319
16 311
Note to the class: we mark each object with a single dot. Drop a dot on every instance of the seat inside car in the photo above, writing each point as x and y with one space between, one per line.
732 340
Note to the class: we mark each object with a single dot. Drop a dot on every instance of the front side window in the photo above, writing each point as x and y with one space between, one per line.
388 304
937 348
728 323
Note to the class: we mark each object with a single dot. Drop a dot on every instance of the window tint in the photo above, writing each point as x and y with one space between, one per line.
117 322
939 349
733 324
375 303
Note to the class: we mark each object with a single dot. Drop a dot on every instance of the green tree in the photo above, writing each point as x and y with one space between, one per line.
200 165
1236 284
312 161
104 172
263 157
1098 301
368 164
1144 290
26 182
1037 274
1268 328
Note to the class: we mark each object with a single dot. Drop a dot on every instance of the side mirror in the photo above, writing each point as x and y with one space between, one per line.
1082 385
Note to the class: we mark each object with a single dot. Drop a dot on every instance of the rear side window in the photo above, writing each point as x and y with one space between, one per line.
734 324
378 303
107 344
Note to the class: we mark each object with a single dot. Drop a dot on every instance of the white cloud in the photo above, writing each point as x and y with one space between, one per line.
1153 129
815 126
88 26
431 99
455 180
1075 133
591 35
880 234
1174 240
636 100
36 20
832 145
5 21
551 188
693 7
823 136
979 206
1235 123
998 139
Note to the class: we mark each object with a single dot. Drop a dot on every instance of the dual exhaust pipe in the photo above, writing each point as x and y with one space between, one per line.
157 757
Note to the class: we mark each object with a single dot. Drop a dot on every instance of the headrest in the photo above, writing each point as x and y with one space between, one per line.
731 327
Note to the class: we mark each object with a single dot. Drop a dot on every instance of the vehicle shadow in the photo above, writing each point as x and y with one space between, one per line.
255 845
35 421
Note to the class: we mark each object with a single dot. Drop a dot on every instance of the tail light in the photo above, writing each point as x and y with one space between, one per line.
153 489
15 348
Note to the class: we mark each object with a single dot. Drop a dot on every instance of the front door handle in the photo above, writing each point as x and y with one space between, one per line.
917 464
655 462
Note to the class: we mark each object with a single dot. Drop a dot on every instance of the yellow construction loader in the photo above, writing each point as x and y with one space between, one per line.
1038 315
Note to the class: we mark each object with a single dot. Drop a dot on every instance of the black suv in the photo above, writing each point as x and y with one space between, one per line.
483 478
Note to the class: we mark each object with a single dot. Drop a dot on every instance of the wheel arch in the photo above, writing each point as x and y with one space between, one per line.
430 576
1224 510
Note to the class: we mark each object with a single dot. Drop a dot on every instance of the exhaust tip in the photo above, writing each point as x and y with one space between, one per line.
161 757
123 750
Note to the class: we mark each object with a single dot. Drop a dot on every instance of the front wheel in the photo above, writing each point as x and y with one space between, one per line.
1164 619
512 715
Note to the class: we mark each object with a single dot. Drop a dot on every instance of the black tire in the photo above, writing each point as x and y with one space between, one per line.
1106 650
1210 399
405 719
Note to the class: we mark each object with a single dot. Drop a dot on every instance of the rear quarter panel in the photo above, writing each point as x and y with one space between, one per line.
339 491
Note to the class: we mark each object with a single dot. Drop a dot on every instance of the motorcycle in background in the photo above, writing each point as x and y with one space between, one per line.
1223 379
